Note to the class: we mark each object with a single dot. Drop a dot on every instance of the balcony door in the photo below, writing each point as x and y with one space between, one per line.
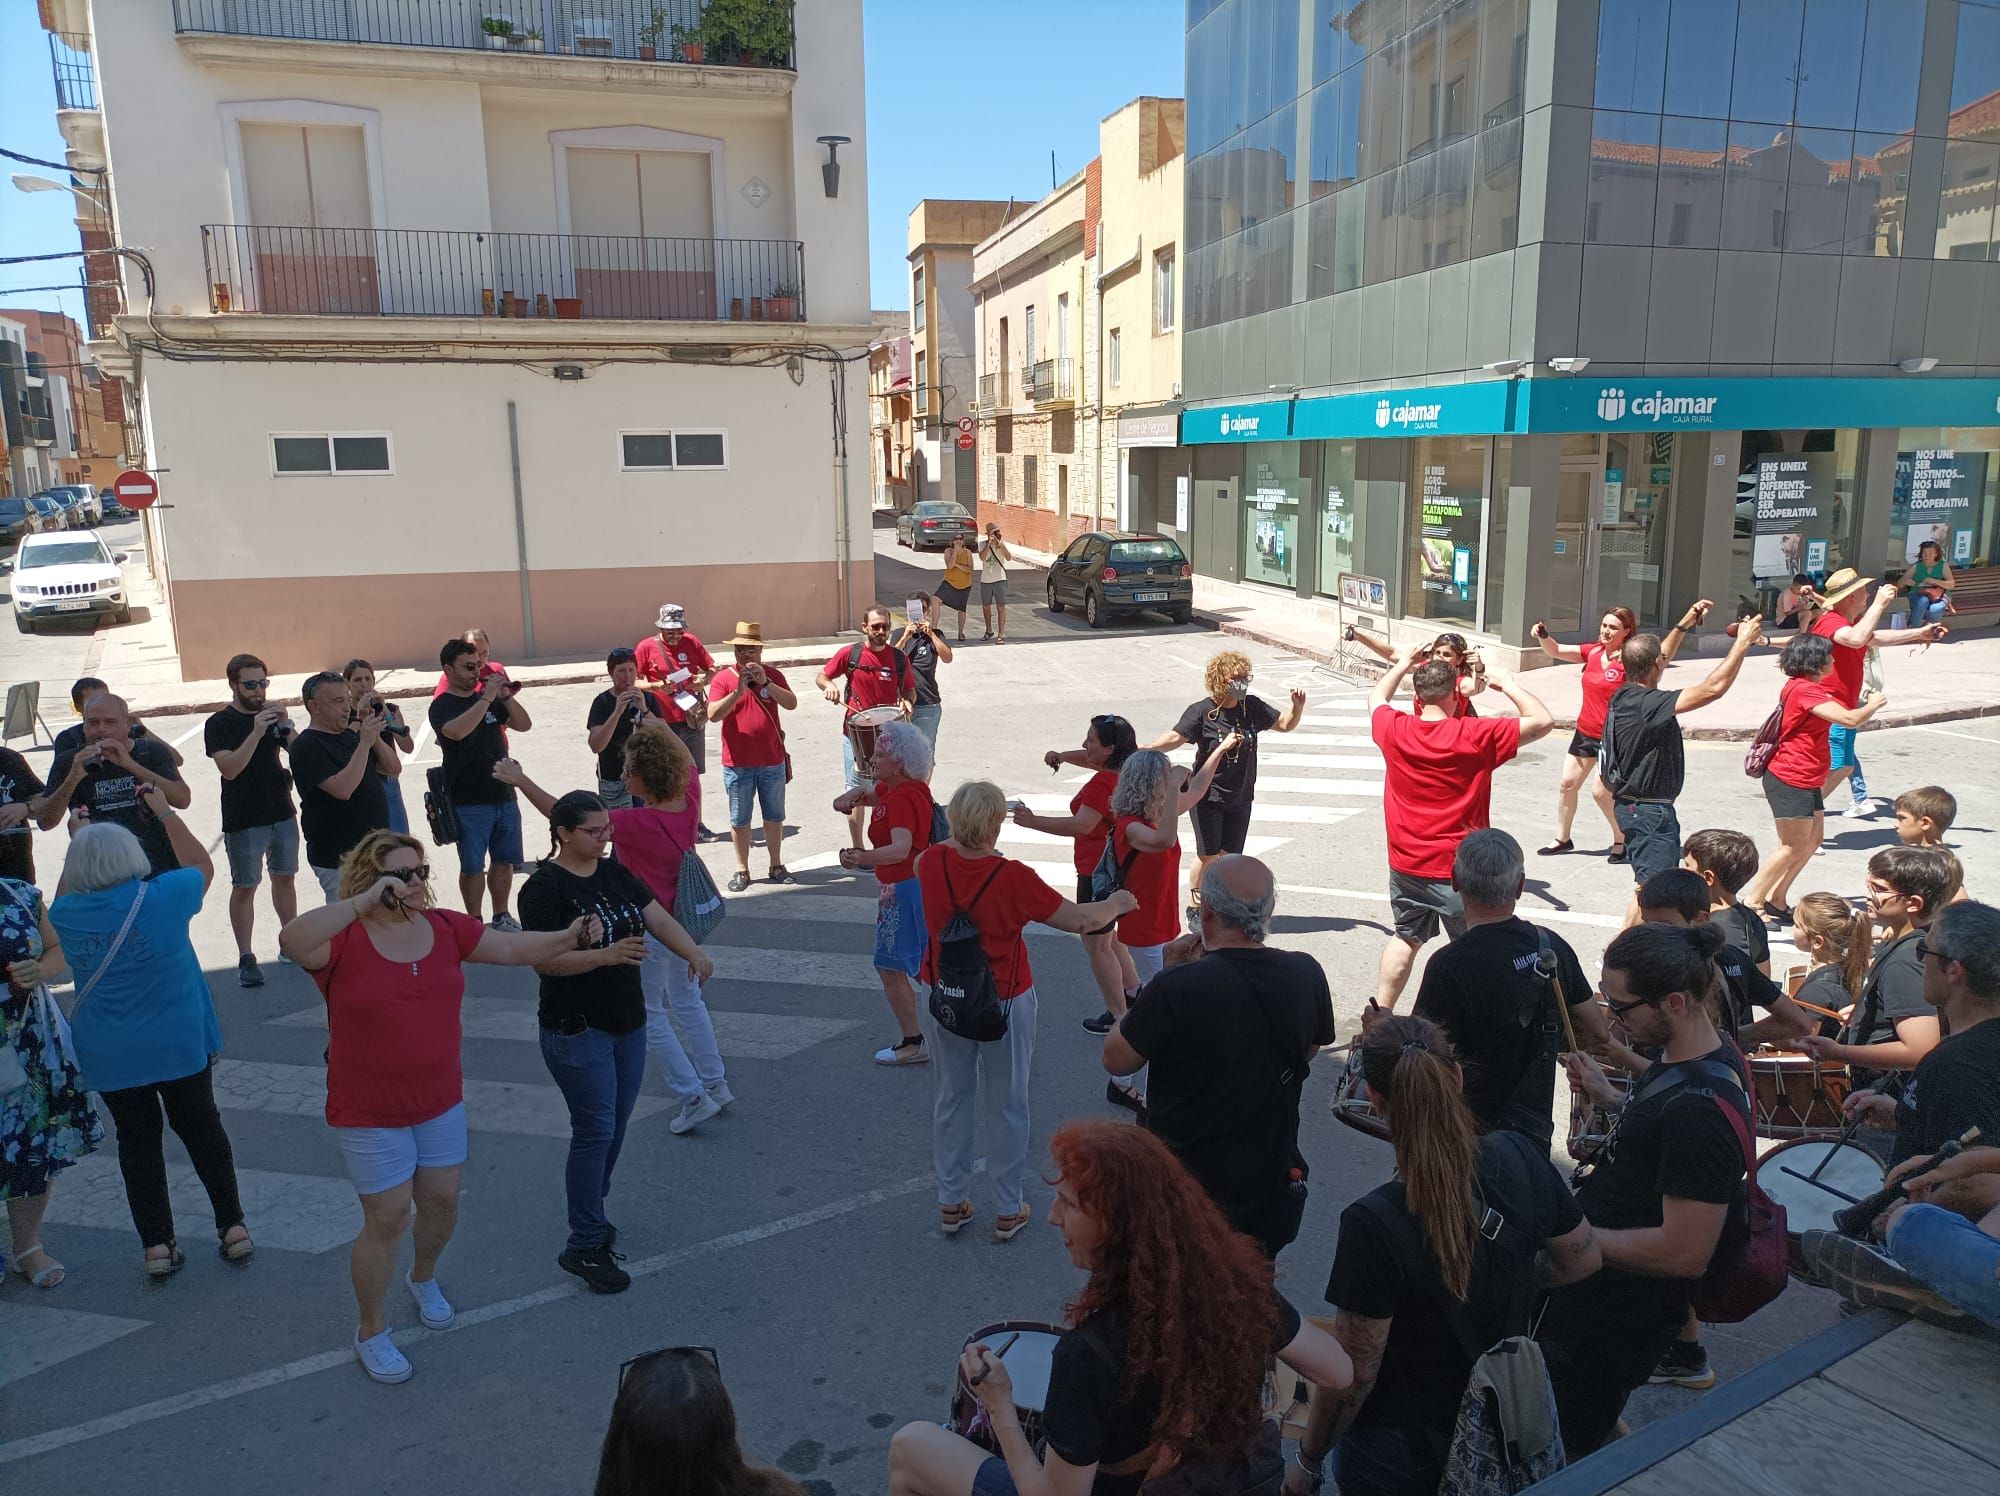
312 243
643 231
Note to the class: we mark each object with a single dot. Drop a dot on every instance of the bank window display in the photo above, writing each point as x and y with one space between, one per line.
1947 493
1633 500
1339 515
1447 529
1271 492
1795 511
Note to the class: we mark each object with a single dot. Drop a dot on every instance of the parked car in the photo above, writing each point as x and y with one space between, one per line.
61 575
1106 573
54 516
935 522
71 506
18 517
109 507
87 501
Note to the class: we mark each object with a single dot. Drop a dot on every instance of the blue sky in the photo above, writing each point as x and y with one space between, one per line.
965 99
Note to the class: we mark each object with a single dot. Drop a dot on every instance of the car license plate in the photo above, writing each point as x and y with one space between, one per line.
76 605
1149 597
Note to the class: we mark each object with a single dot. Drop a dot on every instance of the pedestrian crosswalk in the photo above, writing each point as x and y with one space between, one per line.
739 1036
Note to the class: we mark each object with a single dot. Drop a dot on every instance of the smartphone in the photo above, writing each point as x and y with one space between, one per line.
913 609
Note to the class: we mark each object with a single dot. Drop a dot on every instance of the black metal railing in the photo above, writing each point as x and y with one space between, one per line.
76 72
1049 380
749 33
459 273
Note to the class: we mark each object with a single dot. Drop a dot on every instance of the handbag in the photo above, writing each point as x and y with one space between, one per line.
1764 747
698 906
1109 874
438 809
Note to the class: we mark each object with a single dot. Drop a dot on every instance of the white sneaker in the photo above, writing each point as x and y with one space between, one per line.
505 923
381 1360
720 1094
904 1054
696 1110
433 1308
1861 810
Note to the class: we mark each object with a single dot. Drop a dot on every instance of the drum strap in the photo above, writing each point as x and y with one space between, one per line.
1526 1111
1288 1066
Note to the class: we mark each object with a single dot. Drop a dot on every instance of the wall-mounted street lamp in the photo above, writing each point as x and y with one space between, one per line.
829 170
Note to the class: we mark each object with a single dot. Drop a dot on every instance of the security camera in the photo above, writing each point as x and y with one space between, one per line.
1570 365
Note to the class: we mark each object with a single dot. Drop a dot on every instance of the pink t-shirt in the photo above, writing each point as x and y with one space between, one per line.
651 842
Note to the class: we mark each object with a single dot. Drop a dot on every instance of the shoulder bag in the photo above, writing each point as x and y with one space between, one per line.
438 809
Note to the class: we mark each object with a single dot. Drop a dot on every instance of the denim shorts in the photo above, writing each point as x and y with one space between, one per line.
1652 835
1840 748
764 783
994 1479
900 936
1791 802
381 1158
493 827
249 848
855 780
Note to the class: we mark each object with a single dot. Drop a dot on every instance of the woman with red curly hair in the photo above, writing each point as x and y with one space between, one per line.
1165 1356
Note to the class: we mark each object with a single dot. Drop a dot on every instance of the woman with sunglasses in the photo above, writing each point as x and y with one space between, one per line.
1449 647
391 968
674 1428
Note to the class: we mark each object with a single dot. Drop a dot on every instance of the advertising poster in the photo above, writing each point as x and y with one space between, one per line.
1937 494
1798 516
1448 548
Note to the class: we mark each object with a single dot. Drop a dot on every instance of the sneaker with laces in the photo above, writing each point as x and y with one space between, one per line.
1684 1363
1101 1025
908 1051
597 1266
1865 1275
1007 1227
720 1094
506 923
1861 809
696 1110
248 972
380 1358
433 1308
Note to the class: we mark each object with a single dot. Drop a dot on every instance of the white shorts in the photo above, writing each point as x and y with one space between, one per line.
384 1158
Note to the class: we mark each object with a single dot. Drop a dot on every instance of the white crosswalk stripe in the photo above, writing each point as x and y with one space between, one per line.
739 1036
292 1212
33 1338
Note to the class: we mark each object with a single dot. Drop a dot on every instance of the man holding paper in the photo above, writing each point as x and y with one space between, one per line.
681 667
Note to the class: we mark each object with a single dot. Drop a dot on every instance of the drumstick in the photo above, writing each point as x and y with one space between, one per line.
1841 1142
1808 1178
1816 1008
1005 1346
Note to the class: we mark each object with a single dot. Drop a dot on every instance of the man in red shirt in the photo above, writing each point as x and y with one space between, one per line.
681 667
745 699
1438 787
877 674
1850 622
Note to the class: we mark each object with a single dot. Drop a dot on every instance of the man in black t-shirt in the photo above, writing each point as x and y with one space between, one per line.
340 772
1679 896
614 716
1493 995
102 778
20 791
471 719
246 739
1230 1029
71 738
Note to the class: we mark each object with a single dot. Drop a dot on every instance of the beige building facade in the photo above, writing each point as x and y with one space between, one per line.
944 367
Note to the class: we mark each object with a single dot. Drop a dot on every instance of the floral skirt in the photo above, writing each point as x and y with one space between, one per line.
48 1124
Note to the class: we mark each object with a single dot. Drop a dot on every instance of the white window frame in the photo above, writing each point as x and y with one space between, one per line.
329 437
673 433
1166 267
1115 356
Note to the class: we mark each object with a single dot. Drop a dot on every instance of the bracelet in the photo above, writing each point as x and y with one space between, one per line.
1313 1470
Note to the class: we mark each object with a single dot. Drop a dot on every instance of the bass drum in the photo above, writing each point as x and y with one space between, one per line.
1351 1104
1029 1360
1813 1179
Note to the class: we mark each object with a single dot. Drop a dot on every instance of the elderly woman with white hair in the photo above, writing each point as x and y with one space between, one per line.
144 1024
965 875
1146 809
899 827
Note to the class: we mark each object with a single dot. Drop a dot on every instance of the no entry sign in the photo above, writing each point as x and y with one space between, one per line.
136 489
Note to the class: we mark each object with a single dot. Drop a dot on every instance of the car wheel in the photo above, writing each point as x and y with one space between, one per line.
122 617
1055 603
1182 614
21 623
1093 610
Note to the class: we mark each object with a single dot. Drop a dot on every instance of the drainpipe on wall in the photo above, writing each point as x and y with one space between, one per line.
521 530
842 543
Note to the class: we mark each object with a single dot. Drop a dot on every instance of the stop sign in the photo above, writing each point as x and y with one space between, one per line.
136 489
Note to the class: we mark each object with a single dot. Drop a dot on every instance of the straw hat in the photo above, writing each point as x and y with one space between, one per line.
1843 584
747 632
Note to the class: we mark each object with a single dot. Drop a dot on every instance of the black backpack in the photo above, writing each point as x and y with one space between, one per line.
965 1000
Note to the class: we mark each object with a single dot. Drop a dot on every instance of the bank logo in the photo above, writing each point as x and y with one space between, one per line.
1611 404
1381 412
1228 425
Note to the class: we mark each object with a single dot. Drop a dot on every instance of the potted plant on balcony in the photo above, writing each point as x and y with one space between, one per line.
569 308
498 29
781 303
748 33
649 36
689 43
529 40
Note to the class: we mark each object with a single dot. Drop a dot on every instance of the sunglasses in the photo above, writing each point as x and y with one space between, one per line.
421 873
1924 950
252 685
705 1351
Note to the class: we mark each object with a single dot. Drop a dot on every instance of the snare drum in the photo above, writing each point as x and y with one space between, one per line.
1797 1096
1029 1361
1350 1100
863 728
1850 1174
1590 1125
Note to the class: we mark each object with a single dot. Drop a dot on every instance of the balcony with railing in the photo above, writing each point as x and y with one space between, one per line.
745 33
993 392
75 72
316 272
1050 381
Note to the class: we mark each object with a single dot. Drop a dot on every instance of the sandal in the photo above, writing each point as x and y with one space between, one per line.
44 1277
988 634
953 1218
1617 853
167 1266
1556 848
738 882
1772 914
237 1251
781 874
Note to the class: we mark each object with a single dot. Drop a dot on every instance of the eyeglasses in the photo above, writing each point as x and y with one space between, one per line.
598 832
1619 1010
252 685
705 1351
1924 949
421 873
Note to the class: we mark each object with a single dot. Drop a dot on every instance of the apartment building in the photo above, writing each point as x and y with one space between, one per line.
84 406
890 429
525 313
27 425
1076 313
942 234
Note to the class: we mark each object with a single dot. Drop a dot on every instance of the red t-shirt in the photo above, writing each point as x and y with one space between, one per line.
1439 783
877 680
1848 662
1095 795
491 667
1017 897
1155 881
393 1031
1603 674
1803 759
751 737
907 805
651 842
656 662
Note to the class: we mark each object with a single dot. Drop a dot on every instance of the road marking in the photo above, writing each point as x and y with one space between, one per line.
199 726
1283 758
417 742
305 1366
1278 784
490 1105
292 1212
739 1036
1290 740
32 1339
1969 737
1528 910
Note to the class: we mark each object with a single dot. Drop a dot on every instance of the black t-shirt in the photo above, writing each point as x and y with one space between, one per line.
1670 1140
1743 930
1894 991
112 795
18 785
71 738
1955 1086
611 762
1377 1276
922 651
1092 1418
262 794
469 761
1744 988
1642 757
1825 987
333 826
1483 990
1205 724
1213 1095
605 997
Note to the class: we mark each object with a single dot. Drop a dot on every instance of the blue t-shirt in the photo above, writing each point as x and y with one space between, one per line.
151 1018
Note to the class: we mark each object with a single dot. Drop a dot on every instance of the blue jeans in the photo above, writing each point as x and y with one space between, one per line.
1925 610
926 716
399 817
960 1067
1951 1255
764 783
599 1075
1380 1462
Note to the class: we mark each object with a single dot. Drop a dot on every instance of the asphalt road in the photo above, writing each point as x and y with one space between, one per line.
796 1234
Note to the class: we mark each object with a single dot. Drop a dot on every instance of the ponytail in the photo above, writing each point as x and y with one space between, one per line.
1660 959
1409 1065
1849 931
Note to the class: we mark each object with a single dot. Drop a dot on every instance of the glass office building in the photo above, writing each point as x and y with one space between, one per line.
1529 308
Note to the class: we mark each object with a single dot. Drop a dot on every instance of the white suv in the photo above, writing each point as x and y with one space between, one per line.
67 572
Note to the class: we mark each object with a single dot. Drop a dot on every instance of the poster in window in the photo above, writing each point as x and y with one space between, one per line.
1937 496
1799 517
1448 548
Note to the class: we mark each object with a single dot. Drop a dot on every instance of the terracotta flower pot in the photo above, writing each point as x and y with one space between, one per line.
780 307
569 308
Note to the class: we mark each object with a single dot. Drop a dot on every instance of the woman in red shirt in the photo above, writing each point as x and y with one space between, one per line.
1107 743
1808 704
1603 673
1449 647
899 827
390 967
1001 897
